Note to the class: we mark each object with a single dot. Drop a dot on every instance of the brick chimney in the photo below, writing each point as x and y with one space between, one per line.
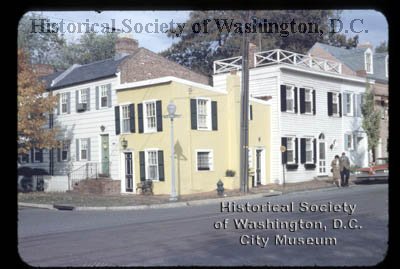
42 70
125 45
252 49
361 73
365 45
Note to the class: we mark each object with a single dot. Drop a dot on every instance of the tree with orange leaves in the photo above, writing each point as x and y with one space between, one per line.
34 107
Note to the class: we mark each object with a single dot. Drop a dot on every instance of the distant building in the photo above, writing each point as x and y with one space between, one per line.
362 61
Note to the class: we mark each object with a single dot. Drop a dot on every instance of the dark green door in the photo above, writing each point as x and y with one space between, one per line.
105 155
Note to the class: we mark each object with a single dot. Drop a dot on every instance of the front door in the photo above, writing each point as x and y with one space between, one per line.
322 158
105 155
128 172
258 166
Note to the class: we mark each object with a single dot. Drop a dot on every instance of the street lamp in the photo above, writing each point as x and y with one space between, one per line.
171 115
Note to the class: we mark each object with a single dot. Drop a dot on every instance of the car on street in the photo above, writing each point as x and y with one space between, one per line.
378 171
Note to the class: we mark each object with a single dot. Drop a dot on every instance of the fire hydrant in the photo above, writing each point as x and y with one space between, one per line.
220 188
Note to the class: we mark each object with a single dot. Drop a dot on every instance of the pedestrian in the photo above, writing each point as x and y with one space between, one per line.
344 170
335 164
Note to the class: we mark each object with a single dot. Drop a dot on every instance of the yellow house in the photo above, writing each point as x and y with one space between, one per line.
206 135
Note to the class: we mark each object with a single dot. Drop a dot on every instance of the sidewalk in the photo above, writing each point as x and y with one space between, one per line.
76 201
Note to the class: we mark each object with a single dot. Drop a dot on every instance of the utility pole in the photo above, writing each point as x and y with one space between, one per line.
244 113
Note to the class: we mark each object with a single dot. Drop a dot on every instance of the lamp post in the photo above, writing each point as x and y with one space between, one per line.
171 115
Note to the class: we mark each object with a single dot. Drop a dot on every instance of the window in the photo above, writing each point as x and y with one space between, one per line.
83 94
368 62
103 95
37 155
308 101
290 149
64 103
335 103
309 150
250 153
126 128
23 158
289 99
152 165
202 115
64 151
204 160
84 149
348 103
150 116
348 142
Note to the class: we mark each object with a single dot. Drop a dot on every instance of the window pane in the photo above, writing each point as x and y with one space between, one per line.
202 113
289 105
308 107
203 160
290 156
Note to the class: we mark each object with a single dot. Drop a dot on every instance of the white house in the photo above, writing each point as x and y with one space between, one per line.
316 111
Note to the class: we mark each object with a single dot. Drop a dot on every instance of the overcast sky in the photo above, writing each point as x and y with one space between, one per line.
373 25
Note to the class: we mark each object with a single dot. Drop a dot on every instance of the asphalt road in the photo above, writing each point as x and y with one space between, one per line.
186 236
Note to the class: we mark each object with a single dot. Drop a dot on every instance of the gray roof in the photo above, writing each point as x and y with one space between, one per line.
83 73
354 59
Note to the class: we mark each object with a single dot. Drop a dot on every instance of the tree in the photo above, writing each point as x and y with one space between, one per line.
34 106
383 47
41 47
340 40
198 50
371 120
90 48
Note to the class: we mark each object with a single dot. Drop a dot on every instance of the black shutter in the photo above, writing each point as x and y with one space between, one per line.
330 112
58 155
117 121
295 100
340 104
88 149
41 155
193 113
97 97
251 112
77 150
161 176
302 100
109 101
159 116
214 114
283 98
296 150
51 120
76 100
314 103
140 117
302 150
284 154
32 156
68 102
58 103
132 117
142 166
315 150
88 99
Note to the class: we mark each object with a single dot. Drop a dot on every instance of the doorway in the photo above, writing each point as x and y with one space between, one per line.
322 155
128 172
105 155
260 167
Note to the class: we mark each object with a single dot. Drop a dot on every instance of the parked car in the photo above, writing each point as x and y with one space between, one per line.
378 171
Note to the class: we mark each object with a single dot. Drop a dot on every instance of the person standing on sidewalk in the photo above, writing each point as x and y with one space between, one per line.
344 170
335 164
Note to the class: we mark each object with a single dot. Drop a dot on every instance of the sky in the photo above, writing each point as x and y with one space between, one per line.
371 25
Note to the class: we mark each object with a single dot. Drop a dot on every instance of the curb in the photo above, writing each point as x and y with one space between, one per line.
153 206
44 206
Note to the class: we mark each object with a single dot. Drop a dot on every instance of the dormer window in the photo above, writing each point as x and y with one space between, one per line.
368 61
387 65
